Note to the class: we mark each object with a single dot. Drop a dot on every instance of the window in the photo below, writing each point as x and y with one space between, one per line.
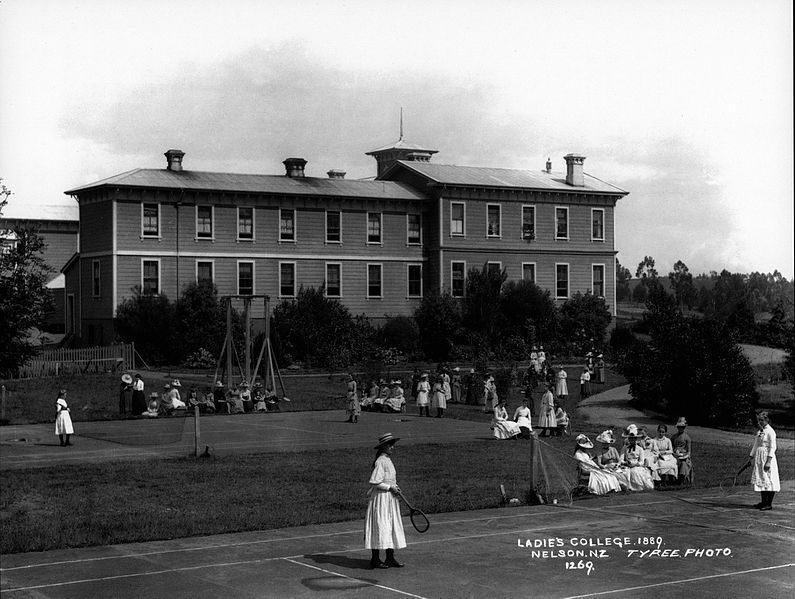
287 279
494 266
204 271
95 278
373 227
245 278
286 224
561 281
597 224
561 223
150 220
373 280
414 229
150 277
204 222
529 271
415 280
529 223
493 220
333 227
457 278
598 280
457 218
333 279
245 224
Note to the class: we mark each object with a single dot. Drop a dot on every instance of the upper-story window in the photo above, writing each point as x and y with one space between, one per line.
204 222
333 279
373 227
493 220
561 223
95 287
598 279
414 276
150 220
333 226
245 223
528 222
458 273
150 277
457 219
413 229
597 224
245 278
286 224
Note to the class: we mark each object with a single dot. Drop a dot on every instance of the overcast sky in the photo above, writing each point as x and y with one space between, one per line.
687 105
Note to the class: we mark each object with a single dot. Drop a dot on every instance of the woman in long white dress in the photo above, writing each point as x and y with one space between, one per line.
610 459
546 417
600 482
764 476
383 525
63 421
562 388
524 418
502 427
640 478
423 389
438 396
667 467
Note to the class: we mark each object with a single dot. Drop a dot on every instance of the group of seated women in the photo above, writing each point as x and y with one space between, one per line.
384 397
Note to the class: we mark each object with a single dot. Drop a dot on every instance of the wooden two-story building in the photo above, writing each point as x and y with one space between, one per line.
376 245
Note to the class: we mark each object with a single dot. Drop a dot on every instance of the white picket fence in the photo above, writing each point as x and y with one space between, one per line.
55 362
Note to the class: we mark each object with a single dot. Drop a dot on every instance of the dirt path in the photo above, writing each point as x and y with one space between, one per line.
612 410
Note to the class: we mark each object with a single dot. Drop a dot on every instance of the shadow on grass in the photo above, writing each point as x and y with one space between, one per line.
341 561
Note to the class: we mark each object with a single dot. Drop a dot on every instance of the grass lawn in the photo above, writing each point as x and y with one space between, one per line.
121 502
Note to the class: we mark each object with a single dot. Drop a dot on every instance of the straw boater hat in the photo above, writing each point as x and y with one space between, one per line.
386 439
424 375
606 437
631 431
219 384
126 378
176 383
583 441
681 422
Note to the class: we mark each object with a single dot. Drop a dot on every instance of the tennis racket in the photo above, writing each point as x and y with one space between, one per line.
728 485
418 518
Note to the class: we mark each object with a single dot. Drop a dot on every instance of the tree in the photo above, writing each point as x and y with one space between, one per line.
439 319
646 269
148 321
482 300
400 333
583 321
24 297
682 282
200 321
528 312
623 277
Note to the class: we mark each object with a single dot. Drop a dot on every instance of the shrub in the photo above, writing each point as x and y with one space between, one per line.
583 321
401 333
147 321
439 320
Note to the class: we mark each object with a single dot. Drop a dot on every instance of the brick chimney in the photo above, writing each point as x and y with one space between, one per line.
174 159
336 174
294 167
549 165
574 174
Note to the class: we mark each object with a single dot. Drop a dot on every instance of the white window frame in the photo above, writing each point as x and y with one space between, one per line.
295 277
253 224
490 262
212 268
535 218
212 223
499 207
159 274
535 271
96 279
463 220
325 226
568 223
380 265
144 234
253 275
408 279
408 241
568 280
604 282
380 229
326 285
295 226
452 286
593 211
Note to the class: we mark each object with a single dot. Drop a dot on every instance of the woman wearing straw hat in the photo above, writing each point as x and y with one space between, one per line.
125 394
610 459
546 416
383 525
354 407
640 478
681 444
423 388
600 482
763 457
63 421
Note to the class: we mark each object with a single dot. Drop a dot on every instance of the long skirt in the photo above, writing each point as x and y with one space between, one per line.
601 483
561 388
640 479
422 398
666 464
505 429
765 481
354 408
439 400
456 391
138 402
383 526
63 423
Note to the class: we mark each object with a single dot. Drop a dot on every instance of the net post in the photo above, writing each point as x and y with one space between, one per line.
196 431
532 463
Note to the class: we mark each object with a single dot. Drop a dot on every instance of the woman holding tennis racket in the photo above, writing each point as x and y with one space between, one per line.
763 458
383 526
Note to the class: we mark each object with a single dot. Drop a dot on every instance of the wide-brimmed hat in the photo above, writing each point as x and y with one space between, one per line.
397 382
258 385
386 439
244 384
456 369
606 437
681 421
583 441
176 383
126 378
153 395
166 386
424 375
599 356
219 384
630 431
